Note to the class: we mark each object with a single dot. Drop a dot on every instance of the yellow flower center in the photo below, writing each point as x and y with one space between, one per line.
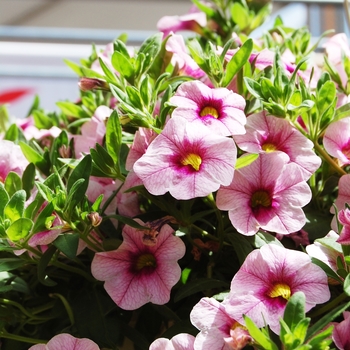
145 260
280 290
260 198
269 147
209 111
192 159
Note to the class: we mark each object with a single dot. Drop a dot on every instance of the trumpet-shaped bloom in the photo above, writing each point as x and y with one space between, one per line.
220 109
268 278
65 341
180 341
341 336
336 140
187 160
267 134
344 219
267 194
143 269
218 330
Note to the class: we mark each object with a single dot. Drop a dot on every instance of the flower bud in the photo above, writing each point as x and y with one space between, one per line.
65 151
87 84
95 219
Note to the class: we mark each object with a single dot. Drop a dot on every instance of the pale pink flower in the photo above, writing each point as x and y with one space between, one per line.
336 47
30 131
220 109
266 133
11 159
142 139
329 254
336 140
65 341
139 272
268 193
341 335
268 278
342 199
187 160
180 341
180 58
92 132
344 219
218 330
194 21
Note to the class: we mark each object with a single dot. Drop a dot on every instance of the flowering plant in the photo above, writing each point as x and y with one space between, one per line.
195 197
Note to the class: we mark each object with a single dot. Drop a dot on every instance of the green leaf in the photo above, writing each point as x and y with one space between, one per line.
15 207
81 171
8 264
253 87
41 220
111 77
258 335
72 110
295 310
19 229
346 285
114 136
240 15
34 157
13 183
15 134
4 198
330 272
28 178
68 244
199 285
245 160
42 266
237 61
123 65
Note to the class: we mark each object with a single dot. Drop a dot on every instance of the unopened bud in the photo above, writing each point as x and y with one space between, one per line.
65 151
87 84
95 219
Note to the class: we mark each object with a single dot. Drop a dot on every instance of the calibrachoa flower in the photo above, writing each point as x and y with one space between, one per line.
336 140
180 341
143 269
267 194
266 133
268 278
195 20
65 341
187 160
11 159
329 254
344 219
341 336
218 330
218 108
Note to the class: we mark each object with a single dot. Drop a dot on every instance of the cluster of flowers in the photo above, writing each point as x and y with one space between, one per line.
211 175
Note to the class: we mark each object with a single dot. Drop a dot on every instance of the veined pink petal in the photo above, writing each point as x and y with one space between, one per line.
180 341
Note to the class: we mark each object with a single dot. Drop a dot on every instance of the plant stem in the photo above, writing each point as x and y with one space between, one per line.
4 334
73 270
331 305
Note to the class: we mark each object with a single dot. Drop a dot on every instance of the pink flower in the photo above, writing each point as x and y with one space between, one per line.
92 132
344 219
180 58
329 254
267 194
143 269
218 330
268 278
336 47
11 159
341 336
336 140
180 341
193 21
187 160
268 134
66 341
220 109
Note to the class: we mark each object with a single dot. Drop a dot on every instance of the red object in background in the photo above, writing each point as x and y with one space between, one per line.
14 94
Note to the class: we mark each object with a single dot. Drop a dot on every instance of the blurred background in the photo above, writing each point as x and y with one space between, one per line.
36 35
